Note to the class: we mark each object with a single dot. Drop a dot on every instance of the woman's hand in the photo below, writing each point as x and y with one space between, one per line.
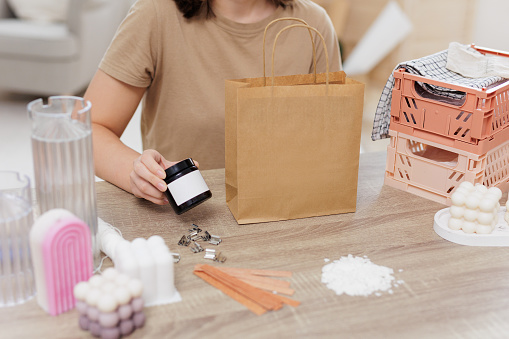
147 176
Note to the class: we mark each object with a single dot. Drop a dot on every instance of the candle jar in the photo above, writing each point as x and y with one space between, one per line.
186 187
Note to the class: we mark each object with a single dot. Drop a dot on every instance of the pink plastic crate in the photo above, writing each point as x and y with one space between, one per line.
479 117
432 170
479 147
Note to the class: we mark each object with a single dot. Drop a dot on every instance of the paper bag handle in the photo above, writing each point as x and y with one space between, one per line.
323 44
265 34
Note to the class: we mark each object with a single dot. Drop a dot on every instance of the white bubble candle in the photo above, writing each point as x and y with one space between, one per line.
474 208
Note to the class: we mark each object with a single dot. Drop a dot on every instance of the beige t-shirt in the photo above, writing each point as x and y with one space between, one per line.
185 62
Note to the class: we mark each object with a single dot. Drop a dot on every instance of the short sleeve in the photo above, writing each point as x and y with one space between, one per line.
131 56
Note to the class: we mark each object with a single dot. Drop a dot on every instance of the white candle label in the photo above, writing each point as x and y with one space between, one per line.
187 187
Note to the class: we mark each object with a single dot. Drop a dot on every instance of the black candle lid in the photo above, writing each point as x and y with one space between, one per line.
178 167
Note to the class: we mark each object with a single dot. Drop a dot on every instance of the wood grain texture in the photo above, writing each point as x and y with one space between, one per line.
449 290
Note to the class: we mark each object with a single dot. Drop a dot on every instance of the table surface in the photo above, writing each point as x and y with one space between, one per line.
449 290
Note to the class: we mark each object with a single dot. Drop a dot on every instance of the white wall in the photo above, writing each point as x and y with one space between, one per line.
491 25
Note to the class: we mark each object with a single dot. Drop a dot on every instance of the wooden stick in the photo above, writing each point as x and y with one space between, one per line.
259 278
252 306
268 286
288 301
263 282
265 299
266 273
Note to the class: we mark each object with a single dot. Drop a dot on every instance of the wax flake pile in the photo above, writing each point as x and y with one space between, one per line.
358 276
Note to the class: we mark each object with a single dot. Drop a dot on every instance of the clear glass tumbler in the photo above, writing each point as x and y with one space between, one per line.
63 159
17 283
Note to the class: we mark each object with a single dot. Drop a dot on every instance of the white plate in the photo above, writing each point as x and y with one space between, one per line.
499 236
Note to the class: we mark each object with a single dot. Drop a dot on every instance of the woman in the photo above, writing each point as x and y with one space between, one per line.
177 54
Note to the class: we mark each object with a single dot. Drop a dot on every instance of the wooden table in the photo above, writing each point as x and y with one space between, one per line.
450 290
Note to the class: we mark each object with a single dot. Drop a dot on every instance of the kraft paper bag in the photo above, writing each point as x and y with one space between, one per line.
292 147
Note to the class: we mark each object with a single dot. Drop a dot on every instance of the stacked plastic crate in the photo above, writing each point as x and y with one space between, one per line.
436 145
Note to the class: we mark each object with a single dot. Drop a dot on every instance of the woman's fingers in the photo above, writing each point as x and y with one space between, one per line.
147 177
143 189
148 167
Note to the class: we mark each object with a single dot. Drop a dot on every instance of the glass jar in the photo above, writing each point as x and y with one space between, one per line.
17 283
63 159
186 187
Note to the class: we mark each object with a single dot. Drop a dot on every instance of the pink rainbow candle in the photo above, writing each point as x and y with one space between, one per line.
62 257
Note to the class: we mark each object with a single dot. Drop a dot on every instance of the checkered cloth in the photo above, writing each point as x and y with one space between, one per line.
432 67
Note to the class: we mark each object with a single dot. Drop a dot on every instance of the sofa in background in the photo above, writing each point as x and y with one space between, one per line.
51 56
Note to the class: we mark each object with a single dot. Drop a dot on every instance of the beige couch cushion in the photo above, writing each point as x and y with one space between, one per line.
22 38
40 10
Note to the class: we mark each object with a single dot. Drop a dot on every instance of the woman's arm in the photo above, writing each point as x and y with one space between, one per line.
113 105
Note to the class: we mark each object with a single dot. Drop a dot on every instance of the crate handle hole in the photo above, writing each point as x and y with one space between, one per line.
432 153
423 92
